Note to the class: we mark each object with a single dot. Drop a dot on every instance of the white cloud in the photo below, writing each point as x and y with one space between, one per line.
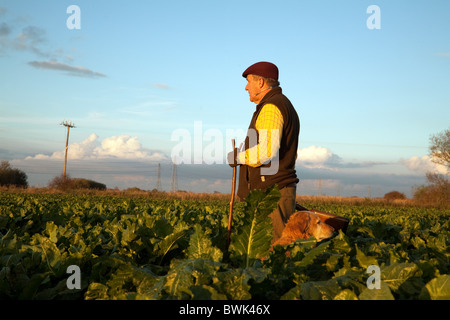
119 147
124 147
314 154
317 157
423 165
71 70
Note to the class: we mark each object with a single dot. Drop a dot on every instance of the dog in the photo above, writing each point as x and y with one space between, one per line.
303 225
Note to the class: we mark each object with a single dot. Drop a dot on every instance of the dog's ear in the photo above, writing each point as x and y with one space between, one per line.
302 221
310 223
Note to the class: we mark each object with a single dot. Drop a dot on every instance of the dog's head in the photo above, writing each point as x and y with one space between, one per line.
320 230
303 225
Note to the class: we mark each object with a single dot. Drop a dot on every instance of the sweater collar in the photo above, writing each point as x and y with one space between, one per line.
270 94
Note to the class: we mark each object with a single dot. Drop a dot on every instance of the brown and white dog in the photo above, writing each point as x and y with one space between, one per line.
303 225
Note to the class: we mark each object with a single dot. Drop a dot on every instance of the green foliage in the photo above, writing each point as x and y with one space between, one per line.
254 235
140 248
437 289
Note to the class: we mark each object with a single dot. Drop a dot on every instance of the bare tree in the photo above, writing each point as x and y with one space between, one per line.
438 191
440 148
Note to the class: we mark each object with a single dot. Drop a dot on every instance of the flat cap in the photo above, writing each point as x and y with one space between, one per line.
263 69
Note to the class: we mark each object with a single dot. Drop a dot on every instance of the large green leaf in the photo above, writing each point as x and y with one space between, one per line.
185 275
363 260
51 255
403 278
200 246
319 290
437 289
167 244
384 293
253 237
238 283
345 294
234 282
312 254
97 291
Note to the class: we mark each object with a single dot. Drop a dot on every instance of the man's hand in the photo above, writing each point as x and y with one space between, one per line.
232 158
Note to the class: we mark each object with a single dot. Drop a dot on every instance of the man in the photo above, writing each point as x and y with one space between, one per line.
270 148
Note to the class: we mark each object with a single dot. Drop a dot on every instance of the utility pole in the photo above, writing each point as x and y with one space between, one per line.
158 181
68 125
174 178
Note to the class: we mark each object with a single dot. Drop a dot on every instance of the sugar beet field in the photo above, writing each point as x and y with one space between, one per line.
71 246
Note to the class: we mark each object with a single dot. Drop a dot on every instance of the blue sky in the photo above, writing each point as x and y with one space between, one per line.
138 71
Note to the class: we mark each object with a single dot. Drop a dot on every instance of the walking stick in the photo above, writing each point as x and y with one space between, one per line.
230 215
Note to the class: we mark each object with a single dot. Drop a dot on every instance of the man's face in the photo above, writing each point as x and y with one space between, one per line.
253 87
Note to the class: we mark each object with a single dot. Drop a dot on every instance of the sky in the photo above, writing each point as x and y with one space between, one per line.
150 83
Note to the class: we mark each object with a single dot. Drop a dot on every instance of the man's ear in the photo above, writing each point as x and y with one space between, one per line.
261 83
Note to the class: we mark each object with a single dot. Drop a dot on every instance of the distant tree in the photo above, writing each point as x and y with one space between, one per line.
440 148
59 182
12 177
437 192
81 183
394 195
